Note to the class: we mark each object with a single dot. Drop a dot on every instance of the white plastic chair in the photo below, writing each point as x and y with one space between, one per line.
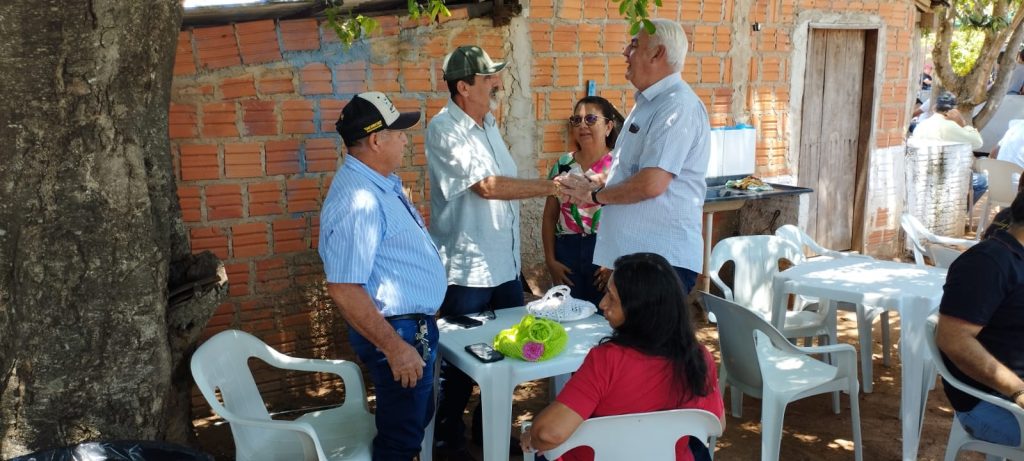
758 361
342 433
959 439
865 314
756 259
638 436
942 255
1003 178
920 237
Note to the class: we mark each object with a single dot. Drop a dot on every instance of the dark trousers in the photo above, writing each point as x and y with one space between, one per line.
456 386
402 413
576 251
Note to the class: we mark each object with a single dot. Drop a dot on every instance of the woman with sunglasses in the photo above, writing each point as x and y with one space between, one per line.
568 230
651 362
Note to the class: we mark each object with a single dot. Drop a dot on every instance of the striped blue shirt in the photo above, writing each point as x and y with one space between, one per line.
370 234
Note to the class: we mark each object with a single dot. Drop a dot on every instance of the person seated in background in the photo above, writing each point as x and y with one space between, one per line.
948 125
1002 219
1017 77
926 77
569 230
651 362
1011 145
981 320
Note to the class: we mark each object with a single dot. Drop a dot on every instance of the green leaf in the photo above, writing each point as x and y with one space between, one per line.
622 7
634 28
649 27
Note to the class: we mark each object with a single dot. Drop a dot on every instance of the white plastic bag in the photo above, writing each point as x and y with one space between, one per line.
559 306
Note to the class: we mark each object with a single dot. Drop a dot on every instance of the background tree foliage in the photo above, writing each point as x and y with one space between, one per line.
969 35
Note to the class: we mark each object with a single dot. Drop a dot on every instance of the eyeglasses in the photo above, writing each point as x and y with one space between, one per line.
590 119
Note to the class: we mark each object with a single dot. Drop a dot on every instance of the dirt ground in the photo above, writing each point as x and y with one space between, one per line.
811 430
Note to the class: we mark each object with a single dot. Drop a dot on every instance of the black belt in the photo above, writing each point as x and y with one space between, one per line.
409 317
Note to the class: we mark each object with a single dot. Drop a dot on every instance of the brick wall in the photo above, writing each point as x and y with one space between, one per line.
253 108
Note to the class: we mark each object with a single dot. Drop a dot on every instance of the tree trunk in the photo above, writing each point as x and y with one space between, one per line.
972 90
90 226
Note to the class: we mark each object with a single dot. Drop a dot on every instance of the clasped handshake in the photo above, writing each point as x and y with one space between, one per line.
576 187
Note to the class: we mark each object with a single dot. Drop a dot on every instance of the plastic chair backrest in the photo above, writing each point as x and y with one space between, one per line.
756 259
943 255
917 234
1003 178
803 241
736 327
640 435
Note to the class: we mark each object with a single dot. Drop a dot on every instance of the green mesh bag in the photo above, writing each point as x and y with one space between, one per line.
532 339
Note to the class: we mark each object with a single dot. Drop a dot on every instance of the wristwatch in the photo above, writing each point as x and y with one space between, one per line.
593 196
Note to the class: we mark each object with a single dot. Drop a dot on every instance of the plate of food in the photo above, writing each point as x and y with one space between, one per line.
750 183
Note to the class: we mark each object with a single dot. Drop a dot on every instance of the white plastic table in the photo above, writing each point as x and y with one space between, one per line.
497 380
913 291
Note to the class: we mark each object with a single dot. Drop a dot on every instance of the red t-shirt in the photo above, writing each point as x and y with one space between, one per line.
617 380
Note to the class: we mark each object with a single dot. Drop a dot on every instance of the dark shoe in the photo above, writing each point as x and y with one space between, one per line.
460 454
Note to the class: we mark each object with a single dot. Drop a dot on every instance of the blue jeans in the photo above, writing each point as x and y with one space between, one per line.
402 413
576 251
456 386
979 182
990 423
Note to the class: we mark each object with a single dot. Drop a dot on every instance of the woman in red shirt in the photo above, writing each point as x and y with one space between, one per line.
651 362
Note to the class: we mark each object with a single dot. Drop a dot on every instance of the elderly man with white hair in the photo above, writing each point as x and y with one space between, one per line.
653 194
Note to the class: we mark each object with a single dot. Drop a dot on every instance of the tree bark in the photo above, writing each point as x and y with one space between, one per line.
90 226
972 90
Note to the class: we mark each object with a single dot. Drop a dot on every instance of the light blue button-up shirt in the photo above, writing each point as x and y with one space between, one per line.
668 129
371 235
478 238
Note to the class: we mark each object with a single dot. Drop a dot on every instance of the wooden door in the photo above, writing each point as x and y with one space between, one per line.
831 134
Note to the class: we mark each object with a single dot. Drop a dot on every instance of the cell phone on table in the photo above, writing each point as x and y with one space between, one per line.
484 352
463 321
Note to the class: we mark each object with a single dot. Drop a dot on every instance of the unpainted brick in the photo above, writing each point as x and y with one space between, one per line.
249 240
182 121
259 117
321 155
316 79
238 87
199 161
184 59
290 235
191 203
217 47
212 239
297 116
223 201
219 120
276 82
300 35
257 41
303 195
242 160
282 157
264 199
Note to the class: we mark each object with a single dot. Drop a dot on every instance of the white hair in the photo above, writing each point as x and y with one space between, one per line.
670 35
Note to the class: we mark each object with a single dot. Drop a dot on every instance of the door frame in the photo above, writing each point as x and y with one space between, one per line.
874 76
